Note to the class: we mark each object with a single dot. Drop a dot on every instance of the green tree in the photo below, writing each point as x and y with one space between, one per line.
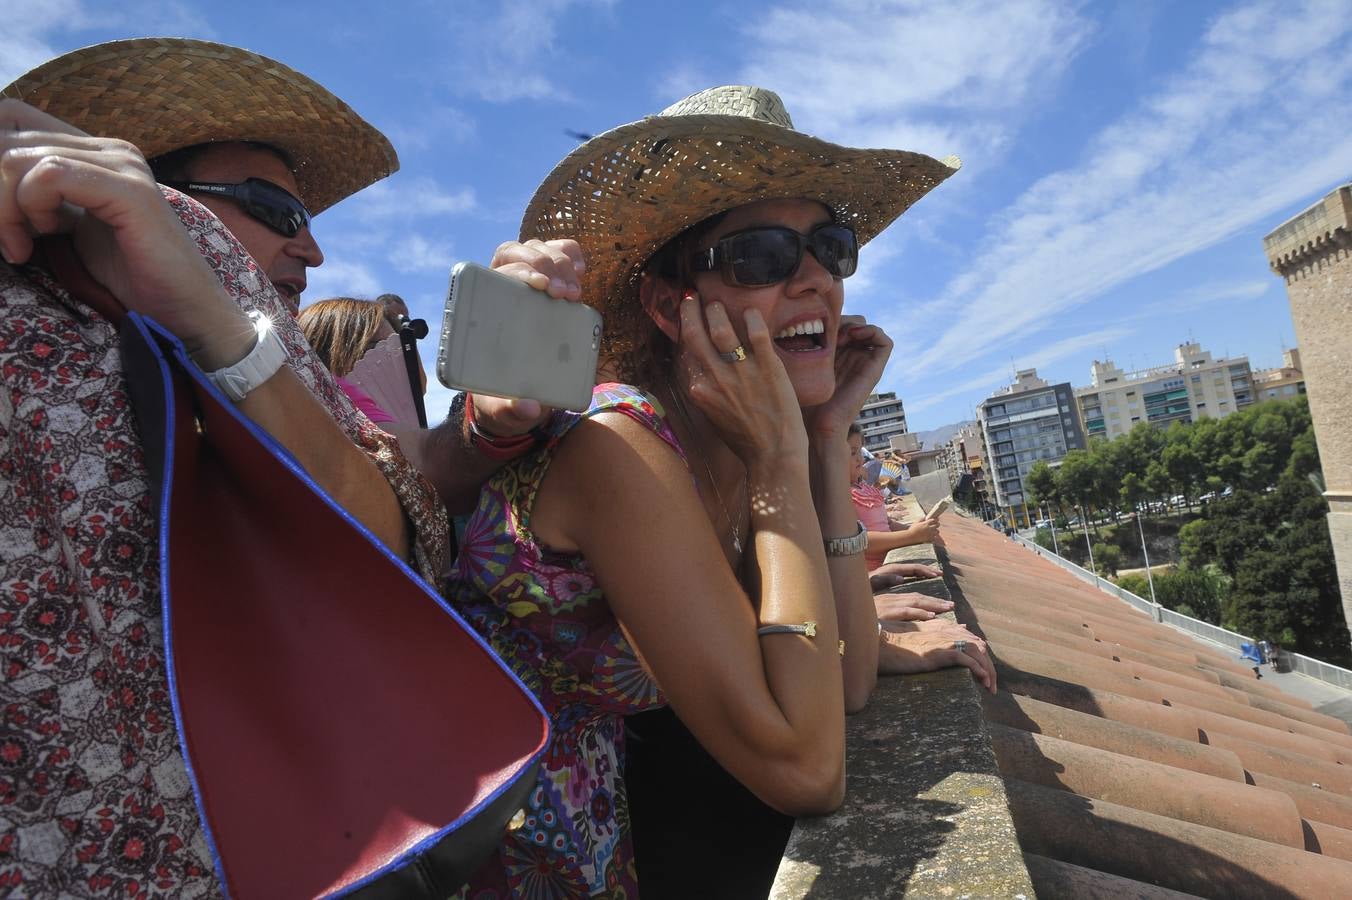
1107 557
1043 538
1133 490
1040 484
1156 481
1274 547
1076 482
1137 584
1192 592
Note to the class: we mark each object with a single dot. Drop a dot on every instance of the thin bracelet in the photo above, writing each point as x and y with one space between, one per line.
807 629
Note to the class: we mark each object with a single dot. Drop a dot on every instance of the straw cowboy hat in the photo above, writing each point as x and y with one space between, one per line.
162 94
623 194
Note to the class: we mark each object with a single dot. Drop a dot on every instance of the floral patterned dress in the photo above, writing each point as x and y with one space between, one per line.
543 612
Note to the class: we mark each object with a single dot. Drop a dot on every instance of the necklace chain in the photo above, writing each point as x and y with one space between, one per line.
713 482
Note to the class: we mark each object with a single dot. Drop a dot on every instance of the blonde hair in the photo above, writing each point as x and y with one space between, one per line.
340 329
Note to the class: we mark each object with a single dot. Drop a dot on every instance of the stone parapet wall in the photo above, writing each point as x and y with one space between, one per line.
925 811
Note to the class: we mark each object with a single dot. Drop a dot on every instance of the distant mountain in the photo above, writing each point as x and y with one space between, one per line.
937 437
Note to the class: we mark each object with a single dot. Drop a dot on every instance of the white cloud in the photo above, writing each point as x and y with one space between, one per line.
414 253
992 379
27 26
1213 292
433 126
342 278
404 198
508 56
942 78
1241 134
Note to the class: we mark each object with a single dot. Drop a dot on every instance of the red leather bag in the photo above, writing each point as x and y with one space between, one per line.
345 731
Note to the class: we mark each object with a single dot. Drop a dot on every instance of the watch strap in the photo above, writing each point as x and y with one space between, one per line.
848 546
261 363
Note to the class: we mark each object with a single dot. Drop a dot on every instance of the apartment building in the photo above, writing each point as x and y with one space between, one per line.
882 417
963 458
1283 382
964 448
1027 422
1195 386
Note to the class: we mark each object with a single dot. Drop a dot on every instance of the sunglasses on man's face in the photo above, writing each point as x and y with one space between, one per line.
262 200
766 255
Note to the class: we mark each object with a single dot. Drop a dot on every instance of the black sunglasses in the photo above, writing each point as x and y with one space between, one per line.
761 256
262 200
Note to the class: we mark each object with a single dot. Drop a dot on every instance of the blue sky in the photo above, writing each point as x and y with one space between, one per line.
1122 161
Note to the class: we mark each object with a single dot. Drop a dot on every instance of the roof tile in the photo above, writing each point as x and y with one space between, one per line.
1132 751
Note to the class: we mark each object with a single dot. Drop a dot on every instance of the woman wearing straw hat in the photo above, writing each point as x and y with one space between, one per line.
690 539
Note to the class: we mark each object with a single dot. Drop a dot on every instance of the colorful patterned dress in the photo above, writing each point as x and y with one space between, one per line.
543 612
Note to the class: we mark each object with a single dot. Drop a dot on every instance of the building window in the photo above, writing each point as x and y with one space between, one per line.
1197 379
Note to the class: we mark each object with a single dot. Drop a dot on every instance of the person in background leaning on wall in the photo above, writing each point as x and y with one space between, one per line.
94 796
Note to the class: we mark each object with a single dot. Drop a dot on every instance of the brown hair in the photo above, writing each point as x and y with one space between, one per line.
650 353
340 330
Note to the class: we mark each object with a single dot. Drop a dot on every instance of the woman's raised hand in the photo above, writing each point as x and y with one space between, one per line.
862 351
742 389
556 268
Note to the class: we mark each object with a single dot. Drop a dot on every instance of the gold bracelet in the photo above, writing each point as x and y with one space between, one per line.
807 629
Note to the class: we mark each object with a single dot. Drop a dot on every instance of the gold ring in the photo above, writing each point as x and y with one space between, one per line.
736 354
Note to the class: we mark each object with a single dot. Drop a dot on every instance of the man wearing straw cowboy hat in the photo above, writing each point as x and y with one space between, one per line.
94 795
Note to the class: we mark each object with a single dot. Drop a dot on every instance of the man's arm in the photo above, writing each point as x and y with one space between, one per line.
449 460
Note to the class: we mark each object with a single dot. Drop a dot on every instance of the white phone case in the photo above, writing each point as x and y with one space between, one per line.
505 339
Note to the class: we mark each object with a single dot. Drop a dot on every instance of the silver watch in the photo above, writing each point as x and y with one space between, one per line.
261 363
848 546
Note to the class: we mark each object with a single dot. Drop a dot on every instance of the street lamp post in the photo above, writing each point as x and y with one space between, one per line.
1084 522
1145 554
1056 548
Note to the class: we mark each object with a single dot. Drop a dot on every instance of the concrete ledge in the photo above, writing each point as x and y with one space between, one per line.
925 812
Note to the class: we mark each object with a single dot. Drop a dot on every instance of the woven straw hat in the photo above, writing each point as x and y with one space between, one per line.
162 94
623 194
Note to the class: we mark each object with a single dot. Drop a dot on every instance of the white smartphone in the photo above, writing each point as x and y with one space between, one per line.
939 508
503 338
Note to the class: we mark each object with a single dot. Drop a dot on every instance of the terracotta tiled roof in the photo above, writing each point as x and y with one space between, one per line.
1137 761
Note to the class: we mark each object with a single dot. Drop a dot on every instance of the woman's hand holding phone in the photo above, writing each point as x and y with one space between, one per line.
554 267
